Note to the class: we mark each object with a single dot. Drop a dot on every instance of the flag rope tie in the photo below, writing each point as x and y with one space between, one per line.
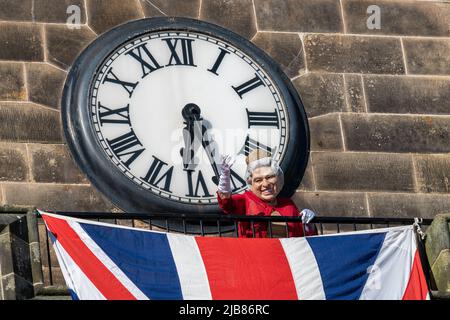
416 224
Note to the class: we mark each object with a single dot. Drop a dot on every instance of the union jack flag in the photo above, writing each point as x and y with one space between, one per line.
104 261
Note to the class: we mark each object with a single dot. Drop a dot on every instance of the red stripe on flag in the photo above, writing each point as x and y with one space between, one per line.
247 269
93 268
417 288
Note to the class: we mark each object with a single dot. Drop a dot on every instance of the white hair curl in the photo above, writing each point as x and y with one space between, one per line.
265 162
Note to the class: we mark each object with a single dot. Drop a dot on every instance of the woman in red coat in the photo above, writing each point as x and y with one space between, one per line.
266 180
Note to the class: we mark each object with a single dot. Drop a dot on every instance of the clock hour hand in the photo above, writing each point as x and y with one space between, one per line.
195 133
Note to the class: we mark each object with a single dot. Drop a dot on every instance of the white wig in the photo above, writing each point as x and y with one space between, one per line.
264 162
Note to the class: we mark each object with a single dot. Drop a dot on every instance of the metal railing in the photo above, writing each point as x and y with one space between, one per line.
214 225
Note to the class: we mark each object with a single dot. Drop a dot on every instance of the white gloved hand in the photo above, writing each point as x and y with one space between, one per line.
224 179
307 215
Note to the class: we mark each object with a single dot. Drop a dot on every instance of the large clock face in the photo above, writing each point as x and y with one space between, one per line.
150 107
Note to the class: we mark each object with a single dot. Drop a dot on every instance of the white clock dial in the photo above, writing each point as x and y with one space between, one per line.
138 96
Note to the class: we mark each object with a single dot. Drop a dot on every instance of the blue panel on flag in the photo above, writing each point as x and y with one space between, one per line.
73 295
145 257
343 262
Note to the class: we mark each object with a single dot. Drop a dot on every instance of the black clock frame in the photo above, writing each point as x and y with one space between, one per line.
90 156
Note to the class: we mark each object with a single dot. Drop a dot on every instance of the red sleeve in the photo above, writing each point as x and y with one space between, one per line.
233 205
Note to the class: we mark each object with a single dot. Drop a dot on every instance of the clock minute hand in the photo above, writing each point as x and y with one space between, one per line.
207 143
198 133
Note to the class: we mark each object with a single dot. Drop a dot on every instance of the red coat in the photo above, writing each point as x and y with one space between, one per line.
249 204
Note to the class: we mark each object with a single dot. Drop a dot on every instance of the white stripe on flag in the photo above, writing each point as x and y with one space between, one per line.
389 275
304 268
191 270
68 219
75 278
103 257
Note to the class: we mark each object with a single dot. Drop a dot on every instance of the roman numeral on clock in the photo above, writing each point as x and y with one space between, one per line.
120 115
145 58
236 181
249 85
128 86
252 144
200 183
125 145
187 58
154 172
218 61
266 119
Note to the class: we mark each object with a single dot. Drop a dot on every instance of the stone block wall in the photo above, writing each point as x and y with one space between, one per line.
437 245
20 260
378 100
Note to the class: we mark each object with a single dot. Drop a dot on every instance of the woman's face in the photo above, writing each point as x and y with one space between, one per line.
265 184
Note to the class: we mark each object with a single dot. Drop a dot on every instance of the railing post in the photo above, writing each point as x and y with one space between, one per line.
218 228
201 228
253 228
49 260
